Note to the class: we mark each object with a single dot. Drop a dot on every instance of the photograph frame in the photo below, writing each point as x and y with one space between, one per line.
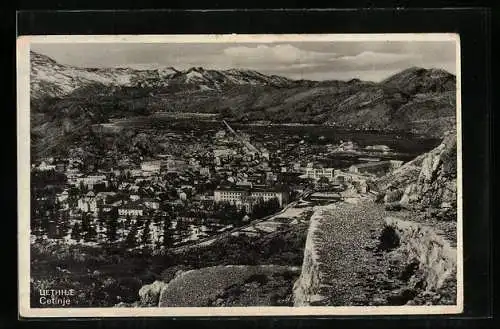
277 314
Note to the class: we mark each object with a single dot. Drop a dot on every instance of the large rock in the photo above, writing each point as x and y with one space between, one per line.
150 293
206 286
428 181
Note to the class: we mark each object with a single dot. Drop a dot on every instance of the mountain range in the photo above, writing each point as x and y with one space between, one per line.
68 98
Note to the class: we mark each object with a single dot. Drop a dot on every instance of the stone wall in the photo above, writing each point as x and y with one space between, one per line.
436 259
307 288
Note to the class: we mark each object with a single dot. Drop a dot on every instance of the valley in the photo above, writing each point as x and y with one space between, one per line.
146 182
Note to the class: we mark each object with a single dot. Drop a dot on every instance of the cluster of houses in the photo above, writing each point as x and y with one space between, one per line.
248 174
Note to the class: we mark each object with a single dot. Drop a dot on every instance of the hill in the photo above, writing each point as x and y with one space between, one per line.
66 99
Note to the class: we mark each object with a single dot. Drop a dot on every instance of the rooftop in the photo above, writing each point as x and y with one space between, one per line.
372 164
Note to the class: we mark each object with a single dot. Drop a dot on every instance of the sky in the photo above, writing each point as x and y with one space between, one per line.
332 60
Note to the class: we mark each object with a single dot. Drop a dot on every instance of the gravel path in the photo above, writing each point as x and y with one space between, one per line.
351 266
354 271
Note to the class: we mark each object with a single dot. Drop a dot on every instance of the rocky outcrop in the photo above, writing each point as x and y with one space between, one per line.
429 261
427 182
150 293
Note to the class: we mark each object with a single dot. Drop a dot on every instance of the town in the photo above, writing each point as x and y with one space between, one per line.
222 180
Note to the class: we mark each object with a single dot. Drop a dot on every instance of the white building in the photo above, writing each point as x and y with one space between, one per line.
235 196
91 180
395 164
134 197
380 148
131 209
317 173
63 196
151 166
88 203
45 166
223 153
268 195
152 204
205 171
265 154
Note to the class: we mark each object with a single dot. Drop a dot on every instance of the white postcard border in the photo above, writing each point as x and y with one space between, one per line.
23 175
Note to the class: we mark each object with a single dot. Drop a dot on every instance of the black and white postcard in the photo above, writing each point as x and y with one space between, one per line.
235 175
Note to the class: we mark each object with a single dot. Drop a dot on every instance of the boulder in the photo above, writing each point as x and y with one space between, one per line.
150 293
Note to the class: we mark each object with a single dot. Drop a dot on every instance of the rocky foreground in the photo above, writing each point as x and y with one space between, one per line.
397 249
357 255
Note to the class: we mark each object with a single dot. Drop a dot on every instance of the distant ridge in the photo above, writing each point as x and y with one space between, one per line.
66 99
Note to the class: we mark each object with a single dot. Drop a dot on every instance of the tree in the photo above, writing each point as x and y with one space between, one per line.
76 232
273 205
264 208
87 228
182 225
323 180
131 240
111 227
167 233
83 188
101 218
145 236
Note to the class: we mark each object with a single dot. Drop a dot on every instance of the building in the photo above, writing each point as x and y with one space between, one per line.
89 203
61 166
236 195
317 173
205 171
220 134
153 166
374 168
244 183
44 166
63 196
379 148
325 196
223 153
230 195
107 197
395 164
264 154
91 180
134 197
152 203
271 177
131 209
267 195
111 207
